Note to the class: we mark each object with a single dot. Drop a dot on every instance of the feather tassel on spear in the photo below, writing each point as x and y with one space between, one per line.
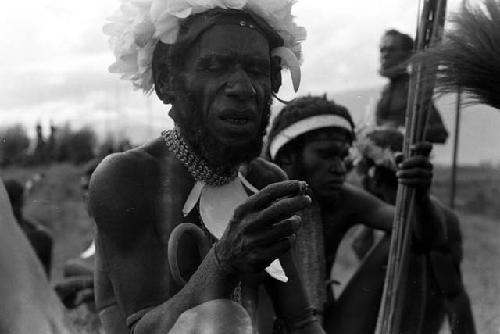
469 57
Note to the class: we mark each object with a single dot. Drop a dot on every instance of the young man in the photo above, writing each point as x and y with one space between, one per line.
217 64
310 140
395 51
446 293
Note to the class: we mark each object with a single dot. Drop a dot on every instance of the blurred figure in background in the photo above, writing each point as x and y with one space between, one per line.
40 238
78 286
395 51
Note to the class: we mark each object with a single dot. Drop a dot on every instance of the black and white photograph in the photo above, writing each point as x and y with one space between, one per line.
250 167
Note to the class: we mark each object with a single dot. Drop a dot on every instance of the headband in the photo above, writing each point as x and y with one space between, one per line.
304 126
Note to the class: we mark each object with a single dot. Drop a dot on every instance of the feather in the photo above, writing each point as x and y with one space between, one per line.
290 61
469 57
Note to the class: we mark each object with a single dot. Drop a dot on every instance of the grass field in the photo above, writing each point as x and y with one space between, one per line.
55 202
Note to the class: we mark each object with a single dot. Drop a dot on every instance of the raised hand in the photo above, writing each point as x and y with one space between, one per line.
416 170
263 228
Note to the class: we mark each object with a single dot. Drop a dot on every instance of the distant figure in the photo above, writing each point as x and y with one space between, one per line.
78 286
395 51
40 238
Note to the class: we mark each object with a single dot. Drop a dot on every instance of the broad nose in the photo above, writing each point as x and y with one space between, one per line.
337 166
240 86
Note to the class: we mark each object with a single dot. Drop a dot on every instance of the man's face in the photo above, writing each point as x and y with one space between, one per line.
323 162
227 73
392 56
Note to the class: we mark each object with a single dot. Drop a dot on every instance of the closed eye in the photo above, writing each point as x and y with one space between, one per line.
213 63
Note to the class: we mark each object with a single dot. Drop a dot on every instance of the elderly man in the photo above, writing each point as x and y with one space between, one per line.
310 139
395 51
217 63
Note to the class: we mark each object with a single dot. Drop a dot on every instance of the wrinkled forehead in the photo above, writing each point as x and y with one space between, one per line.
198 25
231 41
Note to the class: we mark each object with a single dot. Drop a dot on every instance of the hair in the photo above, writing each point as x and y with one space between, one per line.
406 40
469 57
301 108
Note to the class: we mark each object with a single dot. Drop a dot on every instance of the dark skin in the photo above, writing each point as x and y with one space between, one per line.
321 162
137 196
446 290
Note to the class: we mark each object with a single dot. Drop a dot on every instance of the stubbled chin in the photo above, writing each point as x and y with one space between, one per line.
223 154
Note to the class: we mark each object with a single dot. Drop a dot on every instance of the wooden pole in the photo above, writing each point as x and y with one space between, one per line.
455 149
429 30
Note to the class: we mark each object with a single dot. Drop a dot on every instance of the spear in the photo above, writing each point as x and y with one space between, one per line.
430 26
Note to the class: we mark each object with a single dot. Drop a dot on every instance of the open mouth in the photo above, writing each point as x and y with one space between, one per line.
235 119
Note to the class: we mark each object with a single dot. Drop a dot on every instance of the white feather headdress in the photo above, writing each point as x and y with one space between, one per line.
138 25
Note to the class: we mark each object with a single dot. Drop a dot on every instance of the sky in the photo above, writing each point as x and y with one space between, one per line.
54 60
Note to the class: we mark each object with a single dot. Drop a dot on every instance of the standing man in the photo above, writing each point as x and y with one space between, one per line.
310 140
395 51
217 63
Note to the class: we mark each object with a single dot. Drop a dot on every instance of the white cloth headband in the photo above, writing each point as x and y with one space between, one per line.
306 125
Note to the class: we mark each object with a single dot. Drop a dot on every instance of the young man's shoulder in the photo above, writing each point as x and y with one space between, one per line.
353 194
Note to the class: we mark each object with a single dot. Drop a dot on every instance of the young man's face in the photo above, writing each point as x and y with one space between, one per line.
323 162
227 72
392 56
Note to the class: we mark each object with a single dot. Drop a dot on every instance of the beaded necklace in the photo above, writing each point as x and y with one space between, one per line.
198 167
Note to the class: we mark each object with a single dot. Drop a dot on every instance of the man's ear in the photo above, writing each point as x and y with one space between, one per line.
275 74
163 86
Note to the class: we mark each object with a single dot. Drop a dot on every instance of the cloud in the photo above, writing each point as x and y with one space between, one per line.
55 59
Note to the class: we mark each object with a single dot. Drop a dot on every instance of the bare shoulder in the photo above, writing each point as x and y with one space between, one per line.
122 186
260 173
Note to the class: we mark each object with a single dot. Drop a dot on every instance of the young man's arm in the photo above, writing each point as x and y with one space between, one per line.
430 228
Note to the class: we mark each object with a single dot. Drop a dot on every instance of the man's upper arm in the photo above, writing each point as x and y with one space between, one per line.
124 201
368 210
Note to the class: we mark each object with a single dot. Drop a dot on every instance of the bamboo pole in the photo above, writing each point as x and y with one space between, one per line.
429 31
455 149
